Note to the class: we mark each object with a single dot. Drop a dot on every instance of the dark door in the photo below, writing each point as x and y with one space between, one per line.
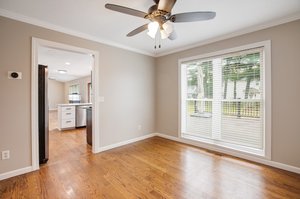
43 114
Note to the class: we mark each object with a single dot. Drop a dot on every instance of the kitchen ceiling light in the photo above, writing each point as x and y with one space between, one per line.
62 71
68 63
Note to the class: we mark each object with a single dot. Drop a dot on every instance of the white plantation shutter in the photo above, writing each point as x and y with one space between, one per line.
223 99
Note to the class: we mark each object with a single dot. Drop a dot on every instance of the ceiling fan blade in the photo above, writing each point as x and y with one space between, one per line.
166 5
173 35
137 30
125 10
192 16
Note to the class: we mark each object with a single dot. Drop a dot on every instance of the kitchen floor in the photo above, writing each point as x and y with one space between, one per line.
65 145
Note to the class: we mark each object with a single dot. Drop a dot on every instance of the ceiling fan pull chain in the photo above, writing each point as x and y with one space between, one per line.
155 42
159 39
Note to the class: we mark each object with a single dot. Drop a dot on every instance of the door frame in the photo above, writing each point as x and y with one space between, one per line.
36 45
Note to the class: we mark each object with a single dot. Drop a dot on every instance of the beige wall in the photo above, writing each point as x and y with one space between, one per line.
139 88
56 93
126 81
285 87
83 86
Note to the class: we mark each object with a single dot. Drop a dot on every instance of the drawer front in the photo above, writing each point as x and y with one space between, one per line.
68 108
68 115
69 123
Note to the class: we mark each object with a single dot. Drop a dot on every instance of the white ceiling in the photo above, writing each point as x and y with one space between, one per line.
77 65
91 20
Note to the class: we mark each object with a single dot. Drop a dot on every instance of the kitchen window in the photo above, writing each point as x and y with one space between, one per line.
74 89
224 100
74 93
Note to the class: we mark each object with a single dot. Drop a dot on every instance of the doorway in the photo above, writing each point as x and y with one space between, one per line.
55 125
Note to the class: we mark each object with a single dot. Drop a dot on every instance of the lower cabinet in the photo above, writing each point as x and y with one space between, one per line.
66 117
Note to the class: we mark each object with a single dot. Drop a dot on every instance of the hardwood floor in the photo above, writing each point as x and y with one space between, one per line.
152 168
65 145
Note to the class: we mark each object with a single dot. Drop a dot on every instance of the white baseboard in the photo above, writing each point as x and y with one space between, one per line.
15 172
233 153
111 146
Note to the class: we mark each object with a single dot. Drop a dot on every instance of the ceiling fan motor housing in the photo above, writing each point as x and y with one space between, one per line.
152 9
160 16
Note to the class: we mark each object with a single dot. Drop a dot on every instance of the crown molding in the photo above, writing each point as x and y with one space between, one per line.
40 23
233 34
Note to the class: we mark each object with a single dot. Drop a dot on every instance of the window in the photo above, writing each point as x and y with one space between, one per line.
74 93
74 89
223 99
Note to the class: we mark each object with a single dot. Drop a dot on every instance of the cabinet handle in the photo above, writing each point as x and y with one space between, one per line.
68 121
68 108
68 113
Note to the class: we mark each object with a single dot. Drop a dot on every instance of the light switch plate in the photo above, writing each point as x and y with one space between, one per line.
5 155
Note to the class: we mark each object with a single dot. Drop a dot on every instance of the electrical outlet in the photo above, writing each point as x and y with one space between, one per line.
5 155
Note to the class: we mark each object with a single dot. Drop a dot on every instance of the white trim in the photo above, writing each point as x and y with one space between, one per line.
227 51
233 153
36 44
112 146
181 81
44 24
95 103
34 109
266 86
268 99
16 172
233 34
40 23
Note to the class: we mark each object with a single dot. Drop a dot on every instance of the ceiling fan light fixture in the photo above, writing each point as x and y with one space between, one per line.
151 34
164 34
153 27
168 27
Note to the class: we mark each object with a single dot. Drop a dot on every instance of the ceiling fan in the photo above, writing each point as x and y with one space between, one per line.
160 16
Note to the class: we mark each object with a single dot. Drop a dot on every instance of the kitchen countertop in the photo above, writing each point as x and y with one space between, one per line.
76 104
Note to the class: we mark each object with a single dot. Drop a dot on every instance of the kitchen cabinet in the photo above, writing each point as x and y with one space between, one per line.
66 117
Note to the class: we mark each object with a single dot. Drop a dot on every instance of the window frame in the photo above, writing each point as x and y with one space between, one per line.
218 145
